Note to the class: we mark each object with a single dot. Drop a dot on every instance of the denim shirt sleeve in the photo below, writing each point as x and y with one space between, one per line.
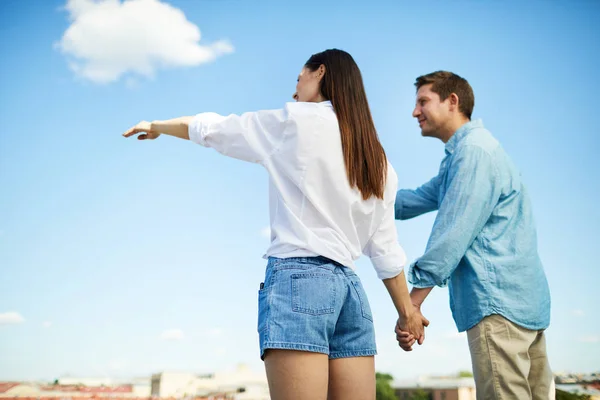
412 203
471 195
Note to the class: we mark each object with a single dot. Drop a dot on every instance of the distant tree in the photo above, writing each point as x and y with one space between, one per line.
383 387
381 375
562 395
465 374
420 394
55 382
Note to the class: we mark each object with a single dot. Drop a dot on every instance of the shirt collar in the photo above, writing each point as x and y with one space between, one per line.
326 103
460 133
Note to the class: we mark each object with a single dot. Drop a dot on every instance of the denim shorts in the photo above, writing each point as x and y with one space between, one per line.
314 304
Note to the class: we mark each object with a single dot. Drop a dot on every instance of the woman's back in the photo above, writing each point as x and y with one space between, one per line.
314 210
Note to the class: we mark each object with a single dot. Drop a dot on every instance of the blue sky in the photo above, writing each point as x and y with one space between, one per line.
124 258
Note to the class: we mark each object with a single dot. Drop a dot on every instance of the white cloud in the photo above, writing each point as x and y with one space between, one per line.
110 38
266 232
578 313
10 318
47 324
172 334
590 339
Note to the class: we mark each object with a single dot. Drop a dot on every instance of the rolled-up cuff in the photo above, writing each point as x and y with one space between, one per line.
423 279
398 205
199 127
389 265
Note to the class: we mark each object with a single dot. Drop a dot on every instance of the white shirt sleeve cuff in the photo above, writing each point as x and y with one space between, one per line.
389 265
199 127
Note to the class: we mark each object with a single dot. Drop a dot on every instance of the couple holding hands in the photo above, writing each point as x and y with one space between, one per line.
333 196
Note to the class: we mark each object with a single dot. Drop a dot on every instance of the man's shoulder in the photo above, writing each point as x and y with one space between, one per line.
480 138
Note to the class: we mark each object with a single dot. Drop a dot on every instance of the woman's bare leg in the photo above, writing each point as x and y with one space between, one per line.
297 375
352 378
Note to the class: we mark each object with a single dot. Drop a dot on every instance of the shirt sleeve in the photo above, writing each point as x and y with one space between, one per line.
386 254
252 136
468 203
412 203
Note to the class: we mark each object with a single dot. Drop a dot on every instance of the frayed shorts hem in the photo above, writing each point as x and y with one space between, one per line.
353 353
315 349
292 346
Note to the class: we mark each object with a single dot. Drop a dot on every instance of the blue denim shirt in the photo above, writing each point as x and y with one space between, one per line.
483 244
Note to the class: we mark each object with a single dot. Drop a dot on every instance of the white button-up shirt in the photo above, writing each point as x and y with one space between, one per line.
313 209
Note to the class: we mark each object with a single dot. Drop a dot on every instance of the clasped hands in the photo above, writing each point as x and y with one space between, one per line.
410 329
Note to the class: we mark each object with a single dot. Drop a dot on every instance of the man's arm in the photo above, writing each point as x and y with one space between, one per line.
412 203
469 201
418 296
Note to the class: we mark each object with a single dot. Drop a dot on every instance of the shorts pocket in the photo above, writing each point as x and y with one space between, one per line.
313 293
364 302
263 309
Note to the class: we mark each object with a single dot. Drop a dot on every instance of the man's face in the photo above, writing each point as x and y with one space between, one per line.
433 115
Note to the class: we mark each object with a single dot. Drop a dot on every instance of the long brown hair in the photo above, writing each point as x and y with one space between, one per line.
342 84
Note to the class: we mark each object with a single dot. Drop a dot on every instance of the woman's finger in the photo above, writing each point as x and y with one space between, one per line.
139 128
133 131
405 347
404 340
400 332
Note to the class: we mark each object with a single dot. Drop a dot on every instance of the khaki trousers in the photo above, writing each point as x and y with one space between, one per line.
509 362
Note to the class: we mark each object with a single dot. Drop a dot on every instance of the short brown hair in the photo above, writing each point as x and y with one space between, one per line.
445 83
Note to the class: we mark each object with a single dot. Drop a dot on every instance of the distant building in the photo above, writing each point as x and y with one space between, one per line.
241 384
438 388
75 389
82 381
173 384
17 389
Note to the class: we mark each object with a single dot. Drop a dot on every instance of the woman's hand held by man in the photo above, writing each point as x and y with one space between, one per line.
410 328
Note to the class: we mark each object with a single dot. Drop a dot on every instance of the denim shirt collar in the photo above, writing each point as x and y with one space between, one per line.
461 133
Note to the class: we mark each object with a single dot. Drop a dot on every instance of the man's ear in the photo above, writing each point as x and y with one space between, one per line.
454 101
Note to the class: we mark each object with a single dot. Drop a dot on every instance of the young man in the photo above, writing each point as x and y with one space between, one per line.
483 246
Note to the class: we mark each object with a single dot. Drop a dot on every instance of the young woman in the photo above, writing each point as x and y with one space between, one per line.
332 196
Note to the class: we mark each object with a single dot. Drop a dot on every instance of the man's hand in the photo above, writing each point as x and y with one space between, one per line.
411 329
143 127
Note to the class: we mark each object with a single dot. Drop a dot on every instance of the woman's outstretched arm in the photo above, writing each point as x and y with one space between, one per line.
252 136
177 127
